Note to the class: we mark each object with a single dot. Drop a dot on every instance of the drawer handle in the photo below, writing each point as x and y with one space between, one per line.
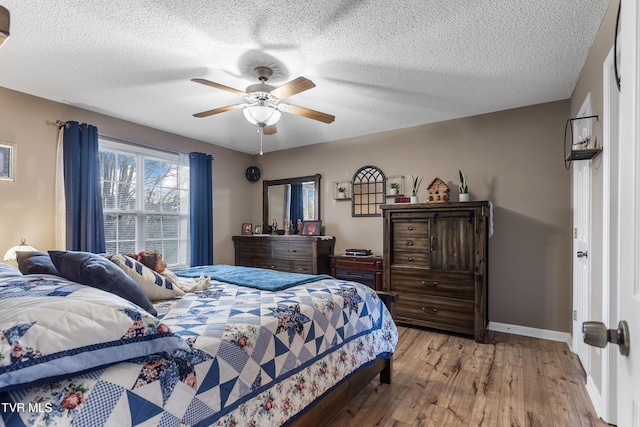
410 228
433 243
292 250
410 259
273 267
303 269
431 284
430 310
409 243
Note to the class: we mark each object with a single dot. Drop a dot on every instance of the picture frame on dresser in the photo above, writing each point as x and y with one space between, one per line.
246 228
311 228
257 230
7 161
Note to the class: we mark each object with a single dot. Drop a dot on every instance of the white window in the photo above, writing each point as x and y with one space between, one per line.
145 198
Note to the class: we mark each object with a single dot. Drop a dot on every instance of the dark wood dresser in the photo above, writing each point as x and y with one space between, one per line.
436 263
294 254
362 269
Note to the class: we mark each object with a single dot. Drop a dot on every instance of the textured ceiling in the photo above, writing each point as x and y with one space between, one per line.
377 65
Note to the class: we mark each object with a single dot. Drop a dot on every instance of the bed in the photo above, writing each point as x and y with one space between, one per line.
228 355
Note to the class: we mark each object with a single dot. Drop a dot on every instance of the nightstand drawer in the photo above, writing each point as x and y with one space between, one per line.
293 250
450 285
435 312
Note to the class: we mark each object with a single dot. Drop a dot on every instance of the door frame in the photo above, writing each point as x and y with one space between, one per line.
628 409
605 402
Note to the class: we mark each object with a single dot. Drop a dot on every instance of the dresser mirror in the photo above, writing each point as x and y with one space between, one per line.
293 198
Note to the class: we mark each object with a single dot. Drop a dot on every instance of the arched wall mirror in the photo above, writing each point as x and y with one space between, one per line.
290 198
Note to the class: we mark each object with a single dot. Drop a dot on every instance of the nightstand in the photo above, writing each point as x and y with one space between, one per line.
363 269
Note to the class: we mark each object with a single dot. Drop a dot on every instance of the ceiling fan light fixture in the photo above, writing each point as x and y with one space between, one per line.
4 24
261 114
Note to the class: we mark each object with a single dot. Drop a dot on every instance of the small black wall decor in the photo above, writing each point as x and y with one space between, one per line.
253 173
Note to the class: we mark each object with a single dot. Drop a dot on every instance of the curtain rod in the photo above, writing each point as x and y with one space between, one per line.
138 144
61 124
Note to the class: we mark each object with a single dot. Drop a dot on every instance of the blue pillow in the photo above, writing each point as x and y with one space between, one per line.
98 272
7 270
51 328
35 263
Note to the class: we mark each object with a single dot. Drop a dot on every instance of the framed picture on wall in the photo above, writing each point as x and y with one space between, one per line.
7 161
311 228
246 228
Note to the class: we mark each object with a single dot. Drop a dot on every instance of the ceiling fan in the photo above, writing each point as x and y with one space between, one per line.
265 101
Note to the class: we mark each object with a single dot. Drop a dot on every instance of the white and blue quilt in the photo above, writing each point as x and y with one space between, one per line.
253 358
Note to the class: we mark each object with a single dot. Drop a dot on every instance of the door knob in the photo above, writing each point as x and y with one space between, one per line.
582 254
597 334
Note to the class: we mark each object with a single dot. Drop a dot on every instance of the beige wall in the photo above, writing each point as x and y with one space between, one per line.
512 158
27 206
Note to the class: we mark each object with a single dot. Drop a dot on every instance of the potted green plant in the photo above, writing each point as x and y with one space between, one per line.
463 189
416 181
394 188
342 192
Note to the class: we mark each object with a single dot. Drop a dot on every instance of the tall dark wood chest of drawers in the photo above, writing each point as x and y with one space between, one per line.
436 263
294 254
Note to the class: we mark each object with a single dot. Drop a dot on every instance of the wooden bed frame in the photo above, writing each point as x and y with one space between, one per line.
321 413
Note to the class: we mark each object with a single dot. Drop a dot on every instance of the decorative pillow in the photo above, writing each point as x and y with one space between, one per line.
7 270
51 327
97 271
156 287
35 263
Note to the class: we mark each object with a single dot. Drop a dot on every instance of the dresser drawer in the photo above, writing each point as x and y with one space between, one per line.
293 250
410 258
411 229
245 260
274 264
253 248
434 283
303 267
434 312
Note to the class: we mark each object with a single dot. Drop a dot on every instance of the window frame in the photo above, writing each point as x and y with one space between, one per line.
140 153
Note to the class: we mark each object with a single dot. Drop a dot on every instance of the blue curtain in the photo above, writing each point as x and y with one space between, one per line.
201 209
295 210
83 195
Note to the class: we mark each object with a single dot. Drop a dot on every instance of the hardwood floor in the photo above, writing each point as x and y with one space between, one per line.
449 380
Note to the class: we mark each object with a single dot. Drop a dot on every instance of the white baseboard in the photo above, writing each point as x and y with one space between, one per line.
531 332
595 396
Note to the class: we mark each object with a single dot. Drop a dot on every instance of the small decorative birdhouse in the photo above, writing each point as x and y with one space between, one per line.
437 191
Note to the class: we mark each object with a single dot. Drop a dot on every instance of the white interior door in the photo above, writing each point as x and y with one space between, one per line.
629 218
581 239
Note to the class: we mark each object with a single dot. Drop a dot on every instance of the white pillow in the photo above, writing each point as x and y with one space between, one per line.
153 284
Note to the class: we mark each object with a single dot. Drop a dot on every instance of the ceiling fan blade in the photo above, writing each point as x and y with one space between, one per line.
294 86
219 110
308 113
219 86
269 130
